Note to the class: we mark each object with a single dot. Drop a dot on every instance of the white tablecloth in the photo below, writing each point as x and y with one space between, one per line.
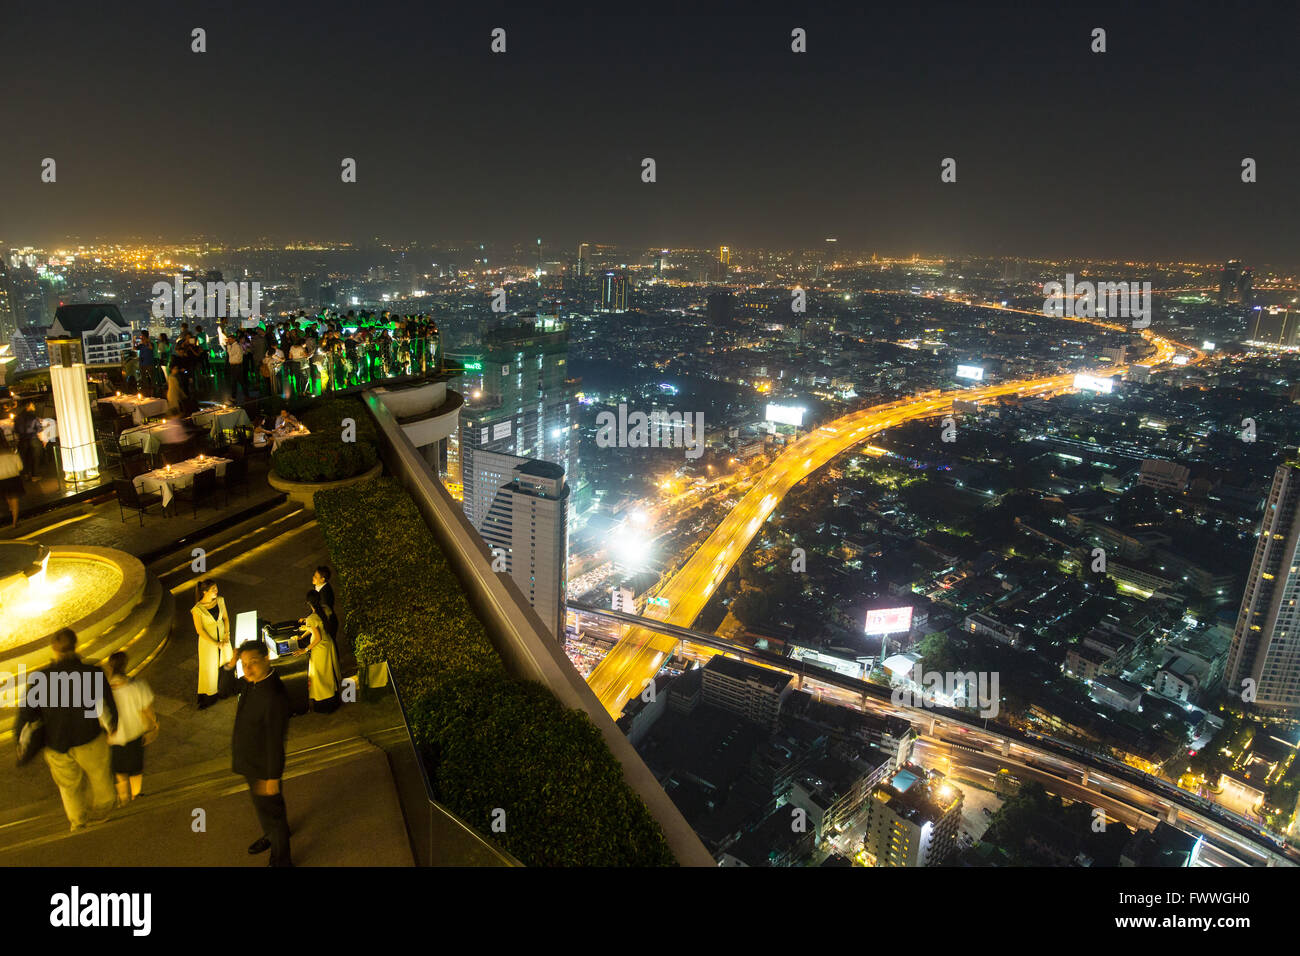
219 419
181 475
281 435
138 408
148 437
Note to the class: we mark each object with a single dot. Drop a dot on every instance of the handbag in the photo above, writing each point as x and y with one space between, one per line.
31 740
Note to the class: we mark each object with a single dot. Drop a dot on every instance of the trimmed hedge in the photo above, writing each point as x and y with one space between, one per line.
491 740
322 457
326 416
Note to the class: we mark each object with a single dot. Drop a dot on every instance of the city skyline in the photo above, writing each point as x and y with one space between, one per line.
785 148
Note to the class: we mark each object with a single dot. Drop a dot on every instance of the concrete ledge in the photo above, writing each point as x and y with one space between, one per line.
517 633
304 492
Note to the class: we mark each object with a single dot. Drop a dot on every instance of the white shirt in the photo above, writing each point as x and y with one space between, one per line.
131 699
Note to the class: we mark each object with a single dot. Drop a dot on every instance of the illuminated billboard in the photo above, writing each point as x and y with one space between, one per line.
785 415
1180 359
1094 383
973 372
890 620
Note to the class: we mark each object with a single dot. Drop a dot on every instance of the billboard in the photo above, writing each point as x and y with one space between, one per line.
1094 383
973 372
785 415
501 430
890 620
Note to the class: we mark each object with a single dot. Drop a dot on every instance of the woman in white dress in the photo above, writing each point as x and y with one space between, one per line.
323 662
212 625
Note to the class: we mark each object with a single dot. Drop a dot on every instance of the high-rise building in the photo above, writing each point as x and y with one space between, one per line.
1277 326
1228 280
912 820
720 305
523 404
8 305
520 508
1266 641
614 293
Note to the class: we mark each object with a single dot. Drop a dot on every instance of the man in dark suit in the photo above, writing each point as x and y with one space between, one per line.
320 580
257 748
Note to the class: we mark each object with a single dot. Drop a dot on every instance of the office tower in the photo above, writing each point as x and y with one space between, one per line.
584 259
29 348
524 404
1245 283
1228 280
724 263
752 692
614 293
520 508
8 305
1265 642
720 304
912 820
1276 325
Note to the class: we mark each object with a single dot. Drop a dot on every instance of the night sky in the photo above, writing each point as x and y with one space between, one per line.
1132 153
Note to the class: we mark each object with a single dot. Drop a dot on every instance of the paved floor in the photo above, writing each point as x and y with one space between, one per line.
194 745
102 524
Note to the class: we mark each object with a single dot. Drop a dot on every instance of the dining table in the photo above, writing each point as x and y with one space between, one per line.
147 437
221 418
281 435
169 479
139 407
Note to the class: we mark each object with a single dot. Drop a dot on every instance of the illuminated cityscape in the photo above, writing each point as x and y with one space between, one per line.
704 498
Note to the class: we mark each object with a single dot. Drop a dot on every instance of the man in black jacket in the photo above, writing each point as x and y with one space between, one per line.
73 700
320 580
261 725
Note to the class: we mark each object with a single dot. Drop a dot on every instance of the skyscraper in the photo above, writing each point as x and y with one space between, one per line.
525 405
1228 281
520 508
614 293
1266 642
8 305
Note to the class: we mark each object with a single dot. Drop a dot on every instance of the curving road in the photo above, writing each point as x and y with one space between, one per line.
627 669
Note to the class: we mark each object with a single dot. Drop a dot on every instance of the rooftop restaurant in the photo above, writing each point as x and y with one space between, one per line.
462 734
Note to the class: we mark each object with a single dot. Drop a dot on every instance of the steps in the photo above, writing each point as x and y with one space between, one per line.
250 529
35 825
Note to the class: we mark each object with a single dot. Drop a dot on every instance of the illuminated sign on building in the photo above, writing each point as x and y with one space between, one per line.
785 415
973 372
892 620
1094 383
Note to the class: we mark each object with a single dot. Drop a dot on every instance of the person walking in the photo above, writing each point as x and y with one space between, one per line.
257 748
212 626
136 726
11 478
71 701
322 660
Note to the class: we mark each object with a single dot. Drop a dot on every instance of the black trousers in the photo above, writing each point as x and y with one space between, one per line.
274 818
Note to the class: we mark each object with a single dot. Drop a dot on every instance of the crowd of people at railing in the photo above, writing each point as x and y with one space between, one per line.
294 357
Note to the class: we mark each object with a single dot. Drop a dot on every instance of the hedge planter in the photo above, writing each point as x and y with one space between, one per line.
304 492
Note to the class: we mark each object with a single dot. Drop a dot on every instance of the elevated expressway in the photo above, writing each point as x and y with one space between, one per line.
636 658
